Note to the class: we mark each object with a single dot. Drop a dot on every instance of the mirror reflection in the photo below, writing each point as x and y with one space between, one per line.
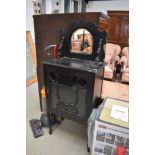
81 42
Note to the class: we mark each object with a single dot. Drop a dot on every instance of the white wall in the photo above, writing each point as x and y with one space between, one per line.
60 7
48 6
51 6
103 6
94 6
29 18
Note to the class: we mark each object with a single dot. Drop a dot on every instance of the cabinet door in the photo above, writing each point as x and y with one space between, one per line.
125 29
114 29
118 32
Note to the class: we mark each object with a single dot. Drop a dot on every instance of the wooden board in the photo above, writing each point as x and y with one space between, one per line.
115 90
31 61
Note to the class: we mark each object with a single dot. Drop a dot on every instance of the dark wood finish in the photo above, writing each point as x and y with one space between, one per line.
103 24
118 31
47 31
73 87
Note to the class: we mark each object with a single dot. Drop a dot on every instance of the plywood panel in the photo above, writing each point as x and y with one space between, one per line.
30 60
115 90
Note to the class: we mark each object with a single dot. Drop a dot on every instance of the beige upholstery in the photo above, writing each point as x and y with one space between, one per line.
111 59
111 50
108 73
125 52
124 62
125 65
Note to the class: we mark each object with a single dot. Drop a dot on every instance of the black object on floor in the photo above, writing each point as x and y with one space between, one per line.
44 120
53 121
88 149
49 121
36 128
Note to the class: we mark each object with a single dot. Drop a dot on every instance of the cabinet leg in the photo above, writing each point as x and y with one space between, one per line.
62 118
50 130
88 149
50 125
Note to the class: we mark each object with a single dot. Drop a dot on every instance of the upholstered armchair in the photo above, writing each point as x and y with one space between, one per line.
111 60
125 65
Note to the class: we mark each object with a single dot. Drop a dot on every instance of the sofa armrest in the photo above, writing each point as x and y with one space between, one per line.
115 61
123 62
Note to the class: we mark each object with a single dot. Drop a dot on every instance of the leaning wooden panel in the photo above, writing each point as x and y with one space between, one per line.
29 82
31 62
32 46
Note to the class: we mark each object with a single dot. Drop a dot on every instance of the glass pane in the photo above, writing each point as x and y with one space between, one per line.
75 6
30 67
67 6
81 42
83 6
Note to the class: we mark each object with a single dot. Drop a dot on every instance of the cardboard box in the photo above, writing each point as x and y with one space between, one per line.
111 130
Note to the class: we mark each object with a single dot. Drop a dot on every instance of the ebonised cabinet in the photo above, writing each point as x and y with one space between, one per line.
47 31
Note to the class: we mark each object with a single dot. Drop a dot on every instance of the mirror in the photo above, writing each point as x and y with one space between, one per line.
81 42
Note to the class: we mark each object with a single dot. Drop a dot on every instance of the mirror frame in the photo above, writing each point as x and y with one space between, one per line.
92 28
